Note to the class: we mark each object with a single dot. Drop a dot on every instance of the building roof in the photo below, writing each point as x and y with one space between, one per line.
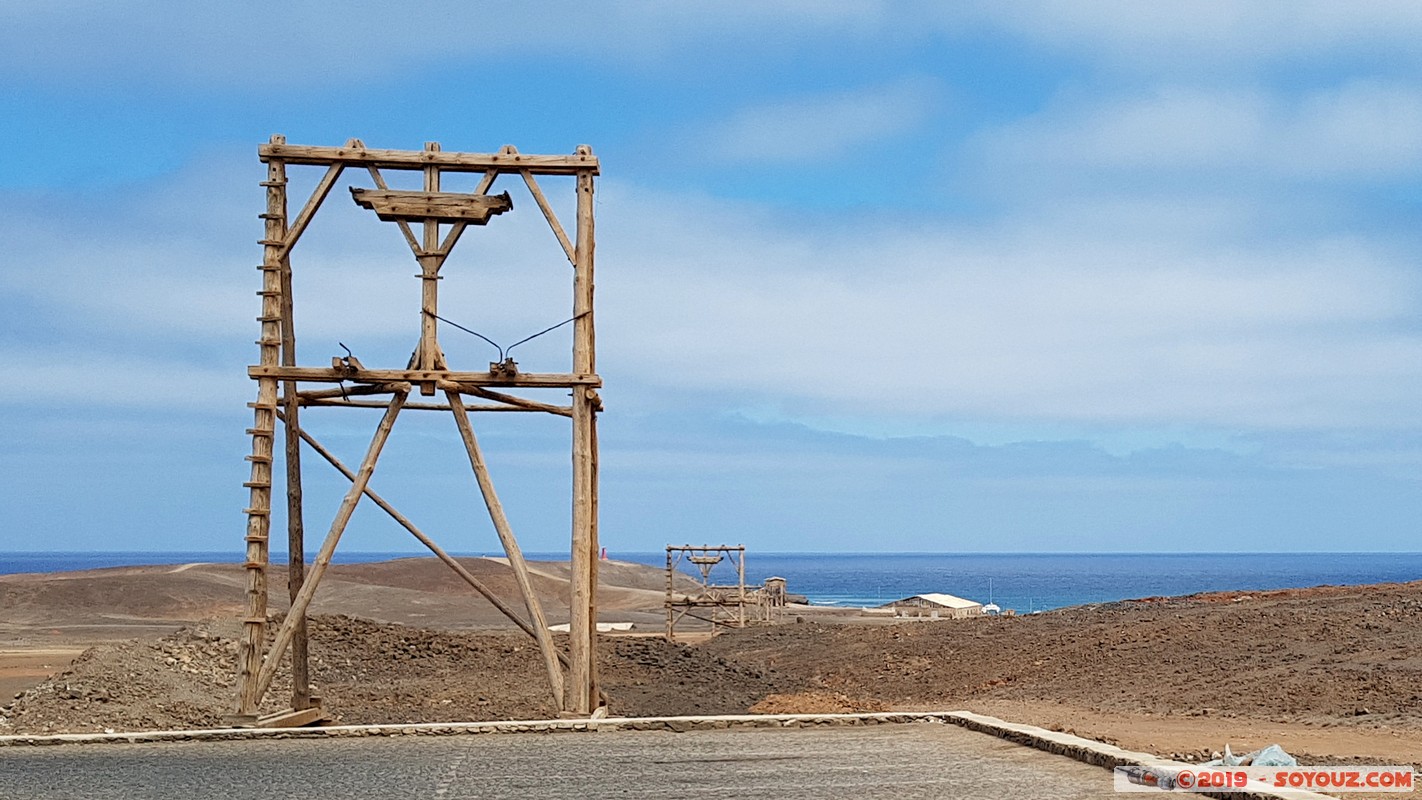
946 600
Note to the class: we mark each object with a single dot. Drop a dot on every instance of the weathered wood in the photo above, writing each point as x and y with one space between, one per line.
581 692
328 547
346 391
532 380
594 554
318 196
548 214
249 657
508 399
404 225
451 162
511 548
457 229
291 718
295 532
564 411
394 205
428 355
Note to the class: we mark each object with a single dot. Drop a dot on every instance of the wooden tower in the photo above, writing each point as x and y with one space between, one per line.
431 221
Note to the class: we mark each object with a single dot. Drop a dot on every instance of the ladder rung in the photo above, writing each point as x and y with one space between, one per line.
265 215
269 318
271 242
267 406
255 459
257 512
265 293
258 484
254 620
260 432
273 183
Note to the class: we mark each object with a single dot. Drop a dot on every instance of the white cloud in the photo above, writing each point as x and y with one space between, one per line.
815 127
1362 130
317 43
99 378
1117 325
1203 35
245 46
1140 316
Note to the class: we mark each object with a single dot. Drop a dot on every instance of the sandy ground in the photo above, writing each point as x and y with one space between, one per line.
1333 674
20 669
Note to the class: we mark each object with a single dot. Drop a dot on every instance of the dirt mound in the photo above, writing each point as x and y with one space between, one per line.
1348 660
370 672
815 703
420 592
651 677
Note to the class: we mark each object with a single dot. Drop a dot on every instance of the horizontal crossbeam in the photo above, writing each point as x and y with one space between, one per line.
532 380
418 159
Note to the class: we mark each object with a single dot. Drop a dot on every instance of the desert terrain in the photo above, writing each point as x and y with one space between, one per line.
1334 674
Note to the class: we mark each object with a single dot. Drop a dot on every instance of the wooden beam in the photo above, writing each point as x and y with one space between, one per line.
428 354
511 548
318 196
338 403
328 547
507 399
291 718
549 215
457 229
581 692
404 226
574 164
530 380
347 391
393 205
295 530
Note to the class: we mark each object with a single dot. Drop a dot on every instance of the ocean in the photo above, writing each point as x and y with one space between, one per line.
1024 582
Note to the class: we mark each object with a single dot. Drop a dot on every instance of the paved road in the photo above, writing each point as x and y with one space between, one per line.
887 761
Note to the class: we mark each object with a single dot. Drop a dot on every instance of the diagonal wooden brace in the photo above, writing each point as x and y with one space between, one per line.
511 548
328 547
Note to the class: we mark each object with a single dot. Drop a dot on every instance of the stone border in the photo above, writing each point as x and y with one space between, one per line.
1087 751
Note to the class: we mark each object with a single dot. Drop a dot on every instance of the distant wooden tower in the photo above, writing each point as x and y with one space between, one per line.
280 396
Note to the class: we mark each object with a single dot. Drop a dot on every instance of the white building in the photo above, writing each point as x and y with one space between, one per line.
937 605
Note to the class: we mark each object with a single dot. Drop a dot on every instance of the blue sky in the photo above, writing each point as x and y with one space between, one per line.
1090 276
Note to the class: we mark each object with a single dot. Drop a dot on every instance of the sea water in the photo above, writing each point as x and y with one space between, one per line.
1024 582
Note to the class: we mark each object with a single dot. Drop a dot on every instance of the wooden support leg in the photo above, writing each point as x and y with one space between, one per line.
511 548
581 692
328 547
295 529
296 554
582 634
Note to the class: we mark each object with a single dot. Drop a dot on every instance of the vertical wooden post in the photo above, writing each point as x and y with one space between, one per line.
263 431
430 355
741 586
295 530
671 621
580 697
511 548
